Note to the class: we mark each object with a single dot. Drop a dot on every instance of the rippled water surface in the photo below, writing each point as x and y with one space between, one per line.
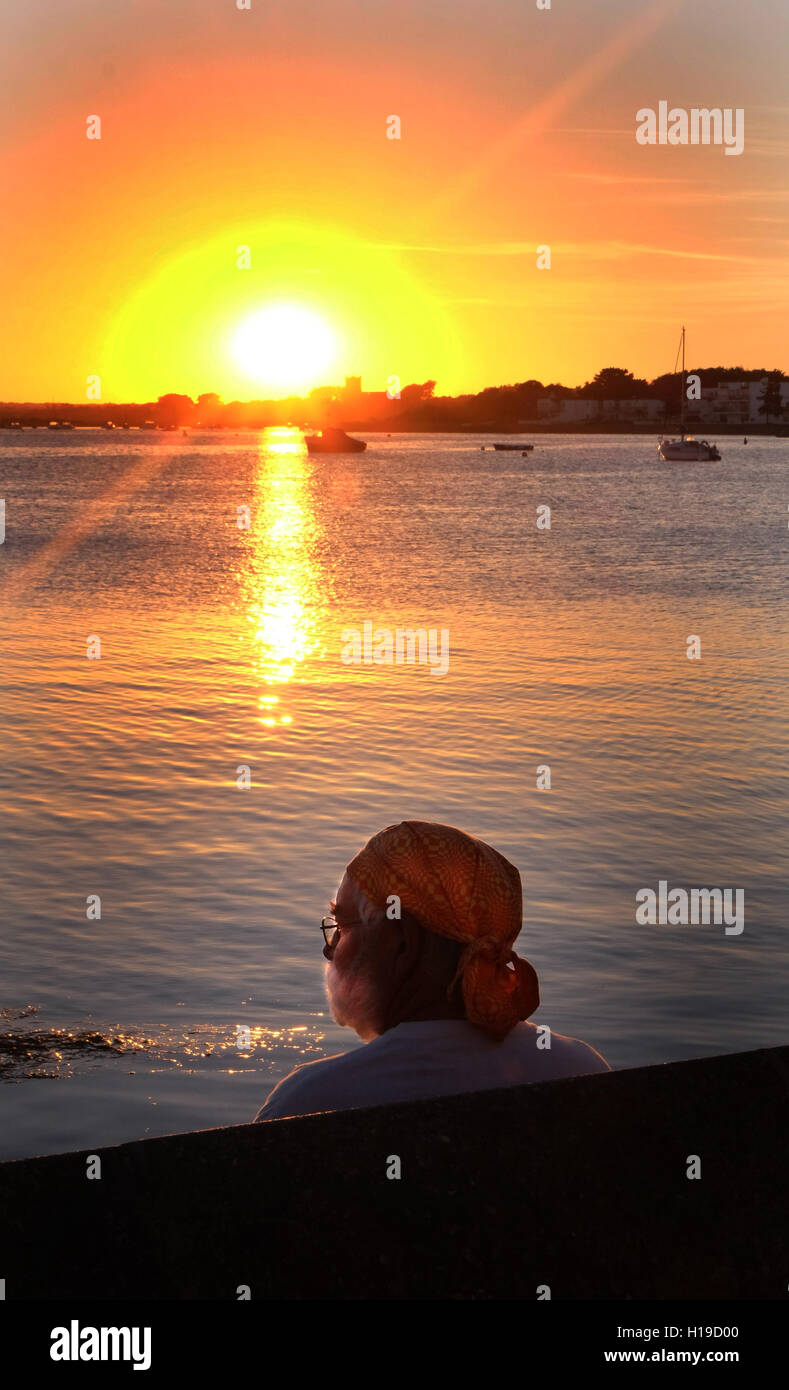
221 649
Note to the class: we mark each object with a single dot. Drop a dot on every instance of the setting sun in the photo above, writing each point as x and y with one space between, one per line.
285 346
318 303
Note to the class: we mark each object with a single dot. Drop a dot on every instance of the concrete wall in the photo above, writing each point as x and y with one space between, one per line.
577 1184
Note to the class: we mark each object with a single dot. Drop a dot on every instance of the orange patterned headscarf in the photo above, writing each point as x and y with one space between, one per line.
457 886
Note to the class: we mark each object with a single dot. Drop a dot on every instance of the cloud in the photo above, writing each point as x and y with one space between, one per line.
588 250
623 178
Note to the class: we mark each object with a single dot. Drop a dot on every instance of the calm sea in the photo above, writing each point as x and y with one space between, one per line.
221 649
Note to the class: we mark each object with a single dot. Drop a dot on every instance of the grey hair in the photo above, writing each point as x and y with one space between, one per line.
440 954
369 914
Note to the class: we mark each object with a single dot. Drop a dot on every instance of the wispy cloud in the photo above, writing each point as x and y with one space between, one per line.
588 130
615 250
734 195
615 179
585 250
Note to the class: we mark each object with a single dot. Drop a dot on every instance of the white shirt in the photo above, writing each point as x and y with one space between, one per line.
441 1057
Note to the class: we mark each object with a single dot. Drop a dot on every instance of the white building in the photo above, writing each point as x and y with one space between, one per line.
735 403
730 403
577 410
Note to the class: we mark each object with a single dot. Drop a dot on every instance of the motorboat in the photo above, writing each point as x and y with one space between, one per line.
333 441
686 449
521 448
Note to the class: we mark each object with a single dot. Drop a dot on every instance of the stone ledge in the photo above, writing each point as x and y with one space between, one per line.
579 1184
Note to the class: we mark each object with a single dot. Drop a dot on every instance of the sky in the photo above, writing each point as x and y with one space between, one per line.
266 128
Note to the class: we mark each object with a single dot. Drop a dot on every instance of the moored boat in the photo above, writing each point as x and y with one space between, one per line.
333 441
686 449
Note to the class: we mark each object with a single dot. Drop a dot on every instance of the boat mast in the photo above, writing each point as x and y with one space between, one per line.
682 402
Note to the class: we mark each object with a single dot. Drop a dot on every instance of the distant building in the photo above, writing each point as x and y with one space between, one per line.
739 402
584 409
350 391
643 408
735 403
565 411
344 404
728 403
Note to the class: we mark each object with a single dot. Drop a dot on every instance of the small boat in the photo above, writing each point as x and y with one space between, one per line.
686 449
521 448
60 425
333 441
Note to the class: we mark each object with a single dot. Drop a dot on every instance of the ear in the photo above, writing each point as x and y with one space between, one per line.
404 942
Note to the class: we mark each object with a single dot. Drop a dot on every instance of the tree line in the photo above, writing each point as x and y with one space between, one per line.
415 406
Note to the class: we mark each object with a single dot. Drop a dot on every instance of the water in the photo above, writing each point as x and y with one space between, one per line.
220 647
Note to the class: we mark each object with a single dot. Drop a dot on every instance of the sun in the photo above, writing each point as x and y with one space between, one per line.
284 346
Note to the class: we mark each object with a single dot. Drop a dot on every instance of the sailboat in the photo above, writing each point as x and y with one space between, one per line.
686 449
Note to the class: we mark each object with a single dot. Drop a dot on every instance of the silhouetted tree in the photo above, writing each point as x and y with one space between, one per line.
209 409
770 399
173 409
611 384
412 395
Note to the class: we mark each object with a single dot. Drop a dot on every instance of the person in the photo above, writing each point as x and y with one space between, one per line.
420 964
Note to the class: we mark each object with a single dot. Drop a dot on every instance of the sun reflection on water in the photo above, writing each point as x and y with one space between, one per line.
285 592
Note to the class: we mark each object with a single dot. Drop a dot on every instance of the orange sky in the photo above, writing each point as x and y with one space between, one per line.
267 128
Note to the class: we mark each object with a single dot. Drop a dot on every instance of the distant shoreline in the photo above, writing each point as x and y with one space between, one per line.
502 432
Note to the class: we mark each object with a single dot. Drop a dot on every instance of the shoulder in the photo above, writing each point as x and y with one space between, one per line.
305 1086
582 1054
559 1055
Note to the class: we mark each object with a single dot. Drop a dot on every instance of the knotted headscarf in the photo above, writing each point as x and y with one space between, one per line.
457 886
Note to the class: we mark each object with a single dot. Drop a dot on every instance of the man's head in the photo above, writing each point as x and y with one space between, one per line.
427 919
383 971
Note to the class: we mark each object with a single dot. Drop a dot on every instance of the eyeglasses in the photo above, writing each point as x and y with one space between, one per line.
331 929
